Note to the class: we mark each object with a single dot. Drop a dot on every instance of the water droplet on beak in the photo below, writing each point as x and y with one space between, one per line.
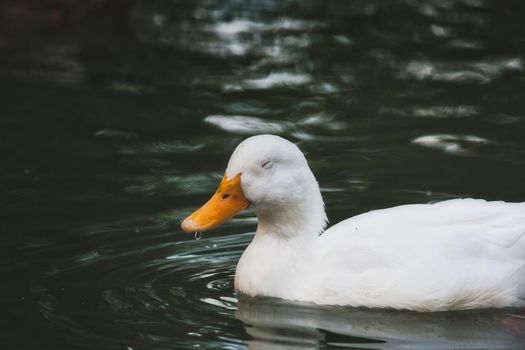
198 235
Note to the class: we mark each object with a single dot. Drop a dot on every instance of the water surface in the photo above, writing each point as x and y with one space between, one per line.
116 123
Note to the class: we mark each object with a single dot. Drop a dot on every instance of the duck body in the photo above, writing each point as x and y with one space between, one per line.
456 254
451 255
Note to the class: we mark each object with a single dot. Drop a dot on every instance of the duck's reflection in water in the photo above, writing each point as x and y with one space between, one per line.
278 324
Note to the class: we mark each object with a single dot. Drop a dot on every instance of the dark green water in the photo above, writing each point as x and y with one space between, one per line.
113 129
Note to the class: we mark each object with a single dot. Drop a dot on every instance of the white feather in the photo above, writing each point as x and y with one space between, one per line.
456 254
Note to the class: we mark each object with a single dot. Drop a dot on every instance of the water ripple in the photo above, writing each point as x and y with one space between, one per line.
475 72
461 111
461 145
170 283
245 125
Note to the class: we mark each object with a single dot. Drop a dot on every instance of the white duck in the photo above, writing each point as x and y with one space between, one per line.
456 254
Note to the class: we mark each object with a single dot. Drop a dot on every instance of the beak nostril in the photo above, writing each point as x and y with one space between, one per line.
225 196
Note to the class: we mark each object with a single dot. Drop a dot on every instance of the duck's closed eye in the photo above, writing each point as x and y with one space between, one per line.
267 165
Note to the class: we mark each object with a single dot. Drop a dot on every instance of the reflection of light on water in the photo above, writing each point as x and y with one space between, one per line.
279 79
129 88
115 134
239 26
343 40
462 145
247 125
449 9
220 303
465 44
496 67
430 71
308 136
323 120
227 29
302 325
433 111
440 31
473 72
237 37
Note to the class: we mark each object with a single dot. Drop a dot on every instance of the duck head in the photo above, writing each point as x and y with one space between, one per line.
271 176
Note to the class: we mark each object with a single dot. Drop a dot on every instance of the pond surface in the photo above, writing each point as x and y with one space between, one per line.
116 123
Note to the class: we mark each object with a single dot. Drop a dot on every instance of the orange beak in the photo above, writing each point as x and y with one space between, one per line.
225 203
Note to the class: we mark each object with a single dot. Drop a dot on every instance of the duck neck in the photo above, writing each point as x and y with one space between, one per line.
302 218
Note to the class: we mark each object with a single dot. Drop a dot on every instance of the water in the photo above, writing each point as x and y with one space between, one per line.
117 122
